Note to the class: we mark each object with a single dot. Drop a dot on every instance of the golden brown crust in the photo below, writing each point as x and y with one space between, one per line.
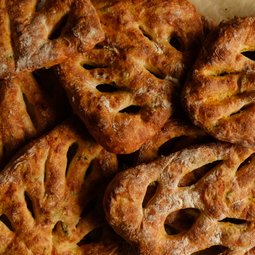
32 30
7 65
222 194
219 96
122 89
51 197
26 111
175 135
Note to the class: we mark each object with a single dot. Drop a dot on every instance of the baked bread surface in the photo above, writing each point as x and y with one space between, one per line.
219 96
220 196
27 110
123 88
7 65
51 197
176 134
45 33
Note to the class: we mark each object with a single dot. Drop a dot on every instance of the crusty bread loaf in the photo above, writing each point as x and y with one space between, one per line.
219 96
220 196
51 197
26 111
39 35
170 188
123 88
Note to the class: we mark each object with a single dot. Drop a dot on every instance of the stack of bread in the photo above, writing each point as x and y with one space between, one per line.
126 128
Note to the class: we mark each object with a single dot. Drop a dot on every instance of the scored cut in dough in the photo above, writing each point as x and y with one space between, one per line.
220 200
219 96
122 89
176 134
51 197
45 34
27 110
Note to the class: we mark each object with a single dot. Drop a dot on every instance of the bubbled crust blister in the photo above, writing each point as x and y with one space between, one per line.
122 89
219 96
51 194
32 24
222 192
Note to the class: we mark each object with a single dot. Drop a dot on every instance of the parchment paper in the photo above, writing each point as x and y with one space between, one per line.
219 10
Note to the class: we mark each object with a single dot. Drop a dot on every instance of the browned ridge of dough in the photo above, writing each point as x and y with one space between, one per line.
220 94
37 34
176 134
27 110
122 89
220 198
7 65
51 197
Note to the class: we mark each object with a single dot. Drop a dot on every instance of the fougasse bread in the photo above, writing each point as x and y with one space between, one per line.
219 94
39 34
122 89
27 110
51 197
148 205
